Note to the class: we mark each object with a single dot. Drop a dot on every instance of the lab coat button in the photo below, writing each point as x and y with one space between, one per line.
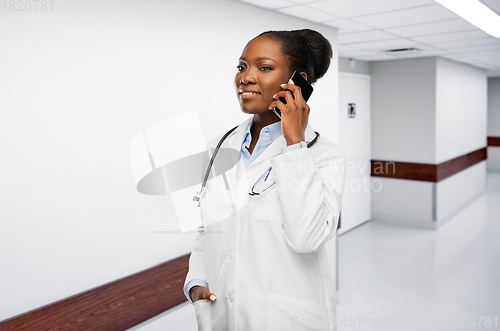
231 254
230 296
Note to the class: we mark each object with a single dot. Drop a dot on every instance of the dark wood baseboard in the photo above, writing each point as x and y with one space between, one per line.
494 141
424 171
451 167
115 306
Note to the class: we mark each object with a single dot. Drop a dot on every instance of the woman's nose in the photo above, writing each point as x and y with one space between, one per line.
248 77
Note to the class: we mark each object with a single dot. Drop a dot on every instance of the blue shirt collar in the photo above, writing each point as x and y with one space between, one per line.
271 131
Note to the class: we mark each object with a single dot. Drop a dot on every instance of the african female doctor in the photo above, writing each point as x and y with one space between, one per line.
264 267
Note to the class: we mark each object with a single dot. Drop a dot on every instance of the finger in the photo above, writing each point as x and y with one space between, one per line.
295 89
279 104
284 94
210 296
297 93
299 100
307 109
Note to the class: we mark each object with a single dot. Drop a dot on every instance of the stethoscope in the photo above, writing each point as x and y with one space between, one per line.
201 193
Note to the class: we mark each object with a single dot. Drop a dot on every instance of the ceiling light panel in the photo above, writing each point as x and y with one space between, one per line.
273 4
444 37
493 5
353 8
347 26
364 36
307 13
476 13
419 15
432 28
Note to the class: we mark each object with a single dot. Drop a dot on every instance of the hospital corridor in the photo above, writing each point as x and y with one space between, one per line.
249 165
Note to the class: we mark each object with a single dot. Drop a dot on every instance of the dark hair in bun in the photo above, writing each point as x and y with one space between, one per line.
307 50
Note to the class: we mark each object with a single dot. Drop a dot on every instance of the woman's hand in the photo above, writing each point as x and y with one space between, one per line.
294 115
201 293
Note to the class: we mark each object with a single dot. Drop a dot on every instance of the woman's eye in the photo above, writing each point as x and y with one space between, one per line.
240 67
266 68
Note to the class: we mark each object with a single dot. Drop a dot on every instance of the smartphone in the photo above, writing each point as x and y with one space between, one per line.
305 88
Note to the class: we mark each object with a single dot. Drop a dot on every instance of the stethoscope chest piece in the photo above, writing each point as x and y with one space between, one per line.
200 195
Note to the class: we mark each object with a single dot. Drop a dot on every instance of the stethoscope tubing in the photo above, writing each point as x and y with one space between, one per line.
213 156
311 143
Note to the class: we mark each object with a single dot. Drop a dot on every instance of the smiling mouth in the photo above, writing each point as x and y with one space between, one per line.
248 95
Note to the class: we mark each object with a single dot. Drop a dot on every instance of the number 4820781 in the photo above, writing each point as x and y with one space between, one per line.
27 5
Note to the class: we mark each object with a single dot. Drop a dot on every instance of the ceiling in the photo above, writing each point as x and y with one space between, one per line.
368 28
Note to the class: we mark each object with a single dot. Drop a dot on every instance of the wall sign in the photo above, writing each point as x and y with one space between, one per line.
351 110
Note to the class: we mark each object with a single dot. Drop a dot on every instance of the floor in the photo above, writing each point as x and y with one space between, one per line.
401 278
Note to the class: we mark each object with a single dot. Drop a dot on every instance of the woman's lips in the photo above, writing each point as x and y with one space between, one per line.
248 95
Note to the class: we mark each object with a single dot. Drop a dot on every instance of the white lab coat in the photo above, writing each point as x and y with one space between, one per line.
267 262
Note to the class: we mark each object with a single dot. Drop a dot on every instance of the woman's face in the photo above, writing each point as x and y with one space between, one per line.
262 69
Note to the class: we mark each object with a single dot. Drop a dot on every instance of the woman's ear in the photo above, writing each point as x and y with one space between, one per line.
304 75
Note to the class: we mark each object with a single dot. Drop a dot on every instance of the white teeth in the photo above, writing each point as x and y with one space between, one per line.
249 93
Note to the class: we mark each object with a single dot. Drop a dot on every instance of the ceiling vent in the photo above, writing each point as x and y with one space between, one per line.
403 50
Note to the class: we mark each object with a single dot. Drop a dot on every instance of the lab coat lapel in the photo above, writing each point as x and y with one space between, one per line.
233 141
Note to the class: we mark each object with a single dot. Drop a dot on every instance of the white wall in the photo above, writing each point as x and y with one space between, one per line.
494 107
355 138
456 192
493 163
360 67
461 98
427 110
77 83
494 122
461 112
403 110
403 201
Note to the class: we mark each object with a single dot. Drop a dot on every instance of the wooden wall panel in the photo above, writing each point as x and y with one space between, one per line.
404 170
451 167
115 306
494 141
424 171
